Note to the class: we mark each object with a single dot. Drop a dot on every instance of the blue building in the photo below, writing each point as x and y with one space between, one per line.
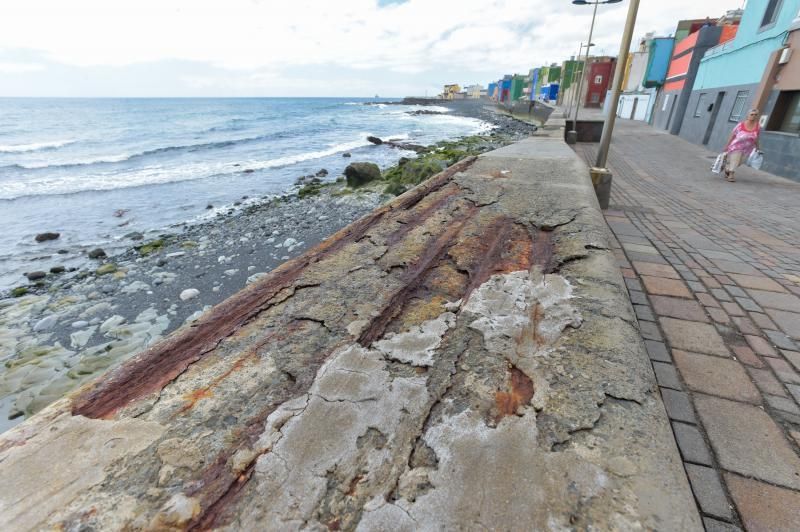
738 75
549 92
659 54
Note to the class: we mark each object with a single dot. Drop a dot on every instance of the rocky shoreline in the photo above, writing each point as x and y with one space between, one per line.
69 326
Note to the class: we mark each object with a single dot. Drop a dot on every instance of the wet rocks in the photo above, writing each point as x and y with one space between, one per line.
44 237
35 276
359 174
189 293
97 253
346 154
46 323
58 269
322 173
105 269
374 140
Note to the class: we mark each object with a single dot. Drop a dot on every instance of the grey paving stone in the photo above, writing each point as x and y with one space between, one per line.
747 441
696 286
781 340
649 331
646 257
735 291
638 298
748 304
776 300
678 405
657 351
783 404
713 525
691 443
633 284
667 376
720 294
794 389
643 312
708 490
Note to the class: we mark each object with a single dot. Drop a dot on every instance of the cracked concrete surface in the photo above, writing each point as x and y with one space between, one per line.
464 357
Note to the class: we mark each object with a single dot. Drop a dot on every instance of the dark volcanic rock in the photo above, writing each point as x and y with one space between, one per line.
346 154
322 173
35 276
358 174
42 237
97 253
58 269
374 140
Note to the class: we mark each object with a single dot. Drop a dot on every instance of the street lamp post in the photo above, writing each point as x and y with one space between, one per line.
601 177
608 127
572 98
572 135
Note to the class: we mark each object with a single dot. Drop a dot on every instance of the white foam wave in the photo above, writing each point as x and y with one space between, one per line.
80 162
35 146
156 174
308 156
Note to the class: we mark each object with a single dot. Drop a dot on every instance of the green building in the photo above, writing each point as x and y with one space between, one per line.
554 74
571 69
518 82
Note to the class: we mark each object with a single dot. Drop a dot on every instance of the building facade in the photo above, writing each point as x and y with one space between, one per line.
450 91
600 74
645 74
673 99
751 71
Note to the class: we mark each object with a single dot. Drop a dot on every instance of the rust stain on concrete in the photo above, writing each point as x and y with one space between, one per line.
519 393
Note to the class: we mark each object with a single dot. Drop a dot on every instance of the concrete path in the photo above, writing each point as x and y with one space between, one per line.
713 270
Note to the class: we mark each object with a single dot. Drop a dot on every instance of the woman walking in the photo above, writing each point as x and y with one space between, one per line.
743 140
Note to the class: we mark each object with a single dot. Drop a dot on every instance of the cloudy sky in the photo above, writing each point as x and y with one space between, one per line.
300 47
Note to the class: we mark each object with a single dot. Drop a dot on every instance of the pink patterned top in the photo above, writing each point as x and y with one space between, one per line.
744 140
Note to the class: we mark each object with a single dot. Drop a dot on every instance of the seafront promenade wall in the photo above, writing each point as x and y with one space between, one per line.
465 356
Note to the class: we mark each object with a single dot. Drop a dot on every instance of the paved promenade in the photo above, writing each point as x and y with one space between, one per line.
713 270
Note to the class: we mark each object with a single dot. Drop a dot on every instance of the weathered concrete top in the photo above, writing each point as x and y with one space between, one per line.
464 357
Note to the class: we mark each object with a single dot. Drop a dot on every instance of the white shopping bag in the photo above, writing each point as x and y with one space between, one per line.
719 164
755 160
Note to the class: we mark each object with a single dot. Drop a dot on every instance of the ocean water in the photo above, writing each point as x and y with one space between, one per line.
95 170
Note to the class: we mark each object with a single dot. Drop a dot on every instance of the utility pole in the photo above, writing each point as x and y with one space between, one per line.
601 177
572 135
619 72
586 62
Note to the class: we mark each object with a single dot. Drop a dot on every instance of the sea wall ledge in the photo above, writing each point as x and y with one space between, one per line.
463 356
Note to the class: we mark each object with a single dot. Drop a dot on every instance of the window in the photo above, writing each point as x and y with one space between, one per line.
771 13
738 106
699 108
595 97
666 102
785 115
598 79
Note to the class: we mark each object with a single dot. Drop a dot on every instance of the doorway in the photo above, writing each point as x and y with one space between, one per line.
713 118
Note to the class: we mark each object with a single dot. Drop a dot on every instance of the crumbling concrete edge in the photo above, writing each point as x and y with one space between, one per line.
564 428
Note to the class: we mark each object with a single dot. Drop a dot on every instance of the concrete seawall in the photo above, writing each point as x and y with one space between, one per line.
465 356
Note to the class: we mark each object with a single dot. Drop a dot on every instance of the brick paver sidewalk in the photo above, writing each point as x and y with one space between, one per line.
713 270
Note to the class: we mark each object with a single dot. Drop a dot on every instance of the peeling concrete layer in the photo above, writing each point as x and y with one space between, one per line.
464 357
